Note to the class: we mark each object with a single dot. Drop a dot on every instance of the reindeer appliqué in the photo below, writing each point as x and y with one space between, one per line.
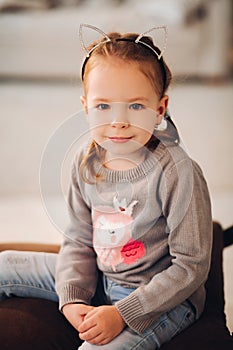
112 235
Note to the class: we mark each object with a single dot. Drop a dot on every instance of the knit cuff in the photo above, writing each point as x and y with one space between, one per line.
132 312
70 294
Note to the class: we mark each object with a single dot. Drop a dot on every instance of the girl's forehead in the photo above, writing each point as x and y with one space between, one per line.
113 63
114 76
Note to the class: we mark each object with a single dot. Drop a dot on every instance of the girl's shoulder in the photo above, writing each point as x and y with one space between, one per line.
176 163
80 152
79 155
170 154
175 159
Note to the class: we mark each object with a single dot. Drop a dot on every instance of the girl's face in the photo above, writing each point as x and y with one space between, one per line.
121 106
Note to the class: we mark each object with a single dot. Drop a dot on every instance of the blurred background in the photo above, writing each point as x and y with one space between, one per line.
40 59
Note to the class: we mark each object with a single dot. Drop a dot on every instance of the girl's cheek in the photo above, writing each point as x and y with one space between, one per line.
146 125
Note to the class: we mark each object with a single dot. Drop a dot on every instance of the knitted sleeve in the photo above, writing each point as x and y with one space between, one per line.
76 271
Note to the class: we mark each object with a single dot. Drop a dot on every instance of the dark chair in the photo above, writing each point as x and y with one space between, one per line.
36 324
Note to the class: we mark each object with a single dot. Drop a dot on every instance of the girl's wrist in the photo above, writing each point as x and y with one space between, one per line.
80 302
73 303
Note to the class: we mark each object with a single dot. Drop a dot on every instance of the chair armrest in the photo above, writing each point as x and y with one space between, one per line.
35 247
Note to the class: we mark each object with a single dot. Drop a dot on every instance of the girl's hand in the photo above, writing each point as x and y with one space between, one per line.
101 325
75 313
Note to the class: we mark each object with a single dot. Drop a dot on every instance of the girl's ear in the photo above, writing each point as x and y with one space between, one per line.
84 103
163 103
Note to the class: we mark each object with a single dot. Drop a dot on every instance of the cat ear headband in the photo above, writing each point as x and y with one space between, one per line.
138 40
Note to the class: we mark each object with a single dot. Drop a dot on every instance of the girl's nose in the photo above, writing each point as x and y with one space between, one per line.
120 115
120 125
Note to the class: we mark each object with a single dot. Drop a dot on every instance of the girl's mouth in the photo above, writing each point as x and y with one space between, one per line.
120 139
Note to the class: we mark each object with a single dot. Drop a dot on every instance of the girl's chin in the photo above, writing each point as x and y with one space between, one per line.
123 145
121 148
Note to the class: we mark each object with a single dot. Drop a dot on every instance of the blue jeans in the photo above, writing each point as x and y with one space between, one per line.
31 274
27 274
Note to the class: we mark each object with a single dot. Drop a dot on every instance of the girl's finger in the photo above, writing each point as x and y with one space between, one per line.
86 325
91 335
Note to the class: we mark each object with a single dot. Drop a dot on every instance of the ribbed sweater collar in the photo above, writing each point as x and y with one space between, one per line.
133 174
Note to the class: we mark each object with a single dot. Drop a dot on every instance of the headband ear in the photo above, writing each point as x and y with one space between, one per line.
86 32
155 39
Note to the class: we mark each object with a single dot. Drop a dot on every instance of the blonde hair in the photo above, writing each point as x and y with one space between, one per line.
123 46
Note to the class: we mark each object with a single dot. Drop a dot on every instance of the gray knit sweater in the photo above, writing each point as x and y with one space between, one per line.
148 228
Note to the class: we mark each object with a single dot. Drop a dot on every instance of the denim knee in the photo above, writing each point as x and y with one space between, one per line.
9 260
27 274
5 272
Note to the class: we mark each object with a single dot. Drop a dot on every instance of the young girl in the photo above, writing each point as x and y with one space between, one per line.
140 229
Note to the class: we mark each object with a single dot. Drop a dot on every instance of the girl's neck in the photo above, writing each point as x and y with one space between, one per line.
124 162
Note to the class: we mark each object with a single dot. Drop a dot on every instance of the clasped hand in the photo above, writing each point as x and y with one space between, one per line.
96 325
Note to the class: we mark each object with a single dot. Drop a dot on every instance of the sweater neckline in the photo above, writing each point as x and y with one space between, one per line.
133 174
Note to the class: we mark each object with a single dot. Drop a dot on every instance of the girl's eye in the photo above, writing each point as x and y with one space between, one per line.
136 106
103 106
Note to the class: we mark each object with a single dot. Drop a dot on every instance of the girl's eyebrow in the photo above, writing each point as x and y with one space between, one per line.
97 99
140 98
